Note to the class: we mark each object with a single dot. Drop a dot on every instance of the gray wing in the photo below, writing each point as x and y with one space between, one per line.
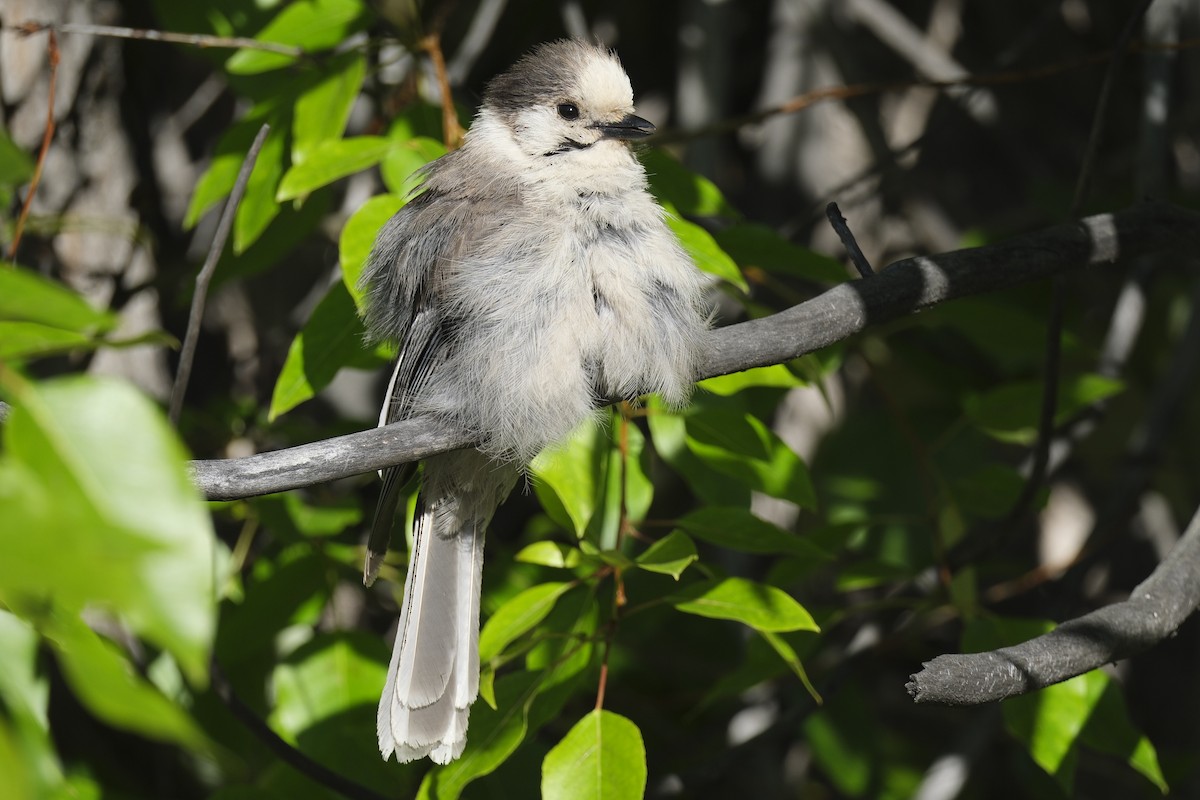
401 282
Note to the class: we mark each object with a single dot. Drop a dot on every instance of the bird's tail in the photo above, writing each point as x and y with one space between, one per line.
433 677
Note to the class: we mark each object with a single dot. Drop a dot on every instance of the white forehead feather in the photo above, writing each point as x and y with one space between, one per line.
603 84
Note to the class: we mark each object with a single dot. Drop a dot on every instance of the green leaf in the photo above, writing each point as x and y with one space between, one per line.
788 654
550 554
94 469
705 251
327 676
738 529
25 695
322 111
569 478
332 339
28 297
687 191
602 757
217 182
670 555
16 166
518 616
330 160
776 376
493 736
291 515
765 608
754 245
566 639
401 168
19 340
311 24
740 446
1049 722
846 742
358 237
1110 730
289 590
639 488
258 206
1010 413
109 686
668 431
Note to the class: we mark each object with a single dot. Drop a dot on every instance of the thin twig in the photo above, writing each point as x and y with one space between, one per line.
853 90
195 39
452 131
842 228
1054 324
602 681
188 352
284 751
47 136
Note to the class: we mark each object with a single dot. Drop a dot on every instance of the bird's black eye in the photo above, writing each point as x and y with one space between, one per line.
568 111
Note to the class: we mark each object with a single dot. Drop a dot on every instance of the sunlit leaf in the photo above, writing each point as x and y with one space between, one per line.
358 237
670 555
327 676
569 478
602 757
691 193
775 376
492 737
258 206
93 467
550 554
313 25
705 251
1049 722
20 340
332 339
28 297
401 168
758 605
329 160
321 111
1110 729
740 446
109 686
518 616
217 181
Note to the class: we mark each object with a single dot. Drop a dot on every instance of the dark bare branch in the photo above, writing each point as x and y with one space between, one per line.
903 288
1154 610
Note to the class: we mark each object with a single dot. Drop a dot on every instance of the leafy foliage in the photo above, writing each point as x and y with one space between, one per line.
667 578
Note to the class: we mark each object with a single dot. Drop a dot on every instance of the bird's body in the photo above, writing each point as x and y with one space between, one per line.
532 277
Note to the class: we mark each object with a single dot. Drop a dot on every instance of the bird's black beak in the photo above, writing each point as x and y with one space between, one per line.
628 127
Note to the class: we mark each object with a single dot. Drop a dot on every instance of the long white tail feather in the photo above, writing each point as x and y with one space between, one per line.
433 676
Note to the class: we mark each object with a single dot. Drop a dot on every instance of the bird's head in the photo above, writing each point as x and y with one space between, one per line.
567 99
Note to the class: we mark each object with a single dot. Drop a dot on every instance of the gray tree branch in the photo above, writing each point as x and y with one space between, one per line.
1153 611
901 289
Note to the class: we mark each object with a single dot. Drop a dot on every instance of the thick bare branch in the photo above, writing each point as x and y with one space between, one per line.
899 290
1155 609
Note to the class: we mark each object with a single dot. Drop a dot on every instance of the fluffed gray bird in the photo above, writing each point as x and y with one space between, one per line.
531 277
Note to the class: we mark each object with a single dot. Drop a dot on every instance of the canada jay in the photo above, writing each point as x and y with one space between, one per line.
531 277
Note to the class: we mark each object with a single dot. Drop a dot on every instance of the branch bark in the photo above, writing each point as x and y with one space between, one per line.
1154 610
901 289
